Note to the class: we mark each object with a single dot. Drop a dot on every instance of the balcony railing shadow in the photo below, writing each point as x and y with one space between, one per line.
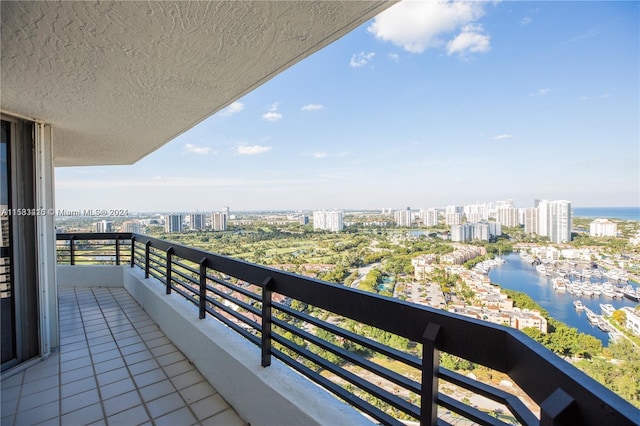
316 328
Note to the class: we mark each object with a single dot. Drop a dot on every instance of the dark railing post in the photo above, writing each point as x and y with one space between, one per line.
72 257
203 288
169 260
117 250
559 409
133 251
147 251
430 365
266 322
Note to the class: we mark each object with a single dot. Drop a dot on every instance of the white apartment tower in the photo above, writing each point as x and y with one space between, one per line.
173 223
507 215
531 220
554 220
403 217
476 212
603 228
131 226
453 218
219 221
429 217
328 220
104 226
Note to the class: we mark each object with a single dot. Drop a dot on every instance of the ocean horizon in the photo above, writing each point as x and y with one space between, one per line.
622 213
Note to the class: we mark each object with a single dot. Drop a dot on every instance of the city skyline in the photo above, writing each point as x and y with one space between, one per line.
464 102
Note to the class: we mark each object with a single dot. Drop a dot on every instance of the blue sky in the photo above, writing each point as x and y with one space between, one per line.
428 105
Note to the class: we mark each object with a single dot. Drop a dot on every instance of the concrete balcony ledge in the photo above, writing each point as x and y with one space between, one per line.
275 395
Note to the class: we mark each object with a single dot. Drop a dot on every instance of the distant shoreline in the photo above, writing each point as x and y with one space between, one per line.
621 213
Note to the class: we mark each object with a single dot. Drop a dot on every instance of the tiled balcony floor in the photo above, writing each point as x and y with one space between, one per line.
114 367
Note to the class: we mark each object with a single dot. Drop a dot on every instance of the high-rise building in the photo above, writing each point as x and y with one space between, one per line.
507 215
304 219
531 220
328 220
554 220
603 228
173 223
131 226
219 220
429 217
403 217
196 221
453 218
476 212
481 231
104 226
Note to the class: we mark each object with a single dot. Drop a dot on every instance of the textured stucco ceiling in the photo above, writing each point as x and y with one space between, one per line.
117 80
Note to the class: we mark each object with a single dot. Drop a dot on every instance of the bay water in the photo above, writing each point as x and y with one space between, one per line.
516 274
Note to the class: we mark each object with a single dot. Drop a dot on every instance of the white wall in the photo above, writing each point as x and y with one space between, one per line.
90 275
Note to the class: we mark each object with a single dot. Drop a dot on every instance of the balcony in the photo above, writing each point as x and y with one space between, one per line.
247 328
114 365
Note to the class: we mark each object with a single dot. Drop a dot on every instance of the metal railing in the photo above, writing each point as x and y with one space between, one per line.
331 334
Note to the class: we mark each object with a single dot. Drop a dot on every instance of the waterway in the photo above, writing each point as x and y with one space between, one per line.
518 275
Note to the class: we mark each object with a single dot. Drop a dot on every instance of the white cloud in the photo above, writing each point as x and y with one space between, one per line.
361 59
320 155
420 25
500 137
470 40
540 92
525 21
195 149
252 149
273 115
233 108
312 107
394 57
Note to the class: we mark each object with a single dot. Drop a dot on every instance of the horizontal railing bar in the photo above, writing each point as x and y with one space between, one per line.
468 412
234 314
175 283
395 354
379 370
236 288
186 295
94 235
235 301
187 277
350 398
252 338
350 377
187 267
515 405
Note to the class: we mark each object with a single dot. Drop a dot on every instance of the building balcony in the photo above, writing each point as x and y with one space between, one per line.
224 341
114 366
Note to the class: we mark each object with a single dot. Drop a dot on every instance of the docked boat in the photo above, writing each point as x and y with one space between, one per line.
607 309
559 285
602 325
578 305
591 316
631 293
608 290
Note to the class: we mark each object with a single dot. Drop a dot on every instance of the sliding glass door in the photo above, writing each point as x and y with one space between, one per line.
18 258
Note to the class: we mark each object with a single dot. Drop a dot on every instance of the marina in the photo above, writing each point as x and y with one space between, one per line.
557 293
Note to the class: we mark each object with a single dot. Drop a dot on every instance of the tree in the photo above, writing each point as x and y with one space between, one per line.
620 317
